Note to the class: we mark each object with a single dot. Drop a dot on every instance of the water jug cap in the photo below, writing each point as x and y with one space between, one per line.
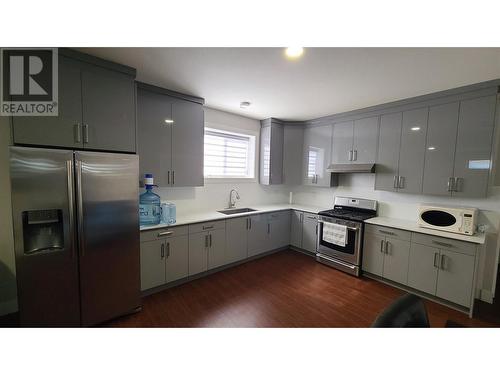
148 180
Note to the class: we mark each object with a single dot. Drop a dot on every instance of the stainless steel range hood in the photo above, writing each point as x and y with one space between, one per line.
351 168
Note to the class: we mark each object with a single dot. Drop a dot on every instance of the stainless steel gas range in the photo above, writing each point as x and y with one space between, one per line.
340 233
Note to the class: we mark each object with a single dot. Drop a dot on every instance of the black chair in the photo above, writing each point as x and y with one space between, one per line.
407 311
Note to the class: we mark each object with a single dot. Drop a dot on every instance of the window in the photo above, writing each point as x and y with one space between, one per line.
228 154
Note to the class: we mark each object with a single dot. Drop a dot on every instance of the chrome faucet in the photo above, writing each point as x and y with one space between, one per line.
232 201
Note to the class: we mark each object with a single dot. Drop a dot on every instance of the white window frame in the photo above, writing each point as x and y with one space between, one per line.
254 136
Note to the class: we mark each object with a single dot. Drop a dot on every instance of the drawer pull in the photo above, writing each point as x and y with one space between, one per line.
161 234
312 217
208 227
442 243
387 232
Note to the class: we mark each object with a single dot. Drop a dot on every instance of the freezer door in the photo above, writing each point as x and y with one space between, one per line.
108 234
44 236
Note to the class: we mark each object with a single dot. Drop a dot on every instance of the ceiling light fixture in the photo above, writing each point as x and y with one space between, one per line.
415 128
244 105
169 121
432 148
294 52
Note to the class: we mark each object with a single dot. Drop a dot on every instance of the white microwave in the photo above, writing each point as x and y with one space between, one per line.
460 220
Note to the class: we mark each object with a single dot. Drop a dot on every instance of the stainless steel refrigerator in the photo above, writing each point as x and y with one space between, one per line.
76 233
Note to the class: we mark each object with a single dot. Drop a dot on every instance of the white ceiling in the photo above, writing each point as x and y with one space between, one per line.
323 81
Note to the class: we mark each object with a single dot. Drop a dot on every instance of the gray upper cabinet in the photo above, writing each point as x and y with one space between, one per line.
96 109
440 149
271 152
365 140
411 155
388 154
108 110
64 130
342 139
187 143
154 135
170 138
317 154
473 150
292 160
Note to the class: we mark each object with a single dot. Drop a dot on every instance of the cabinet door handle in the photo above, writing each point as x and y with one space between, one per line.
395 183
85 133
401 182
168 249
162 252
456 182
268 228
442 243
355 155
350 155
450 184
316 229
173 177
386 247
168 178
206 240
210 235
301 217
386 232
161 234
249 223
382 246
78 133
208 227
441 262
436 257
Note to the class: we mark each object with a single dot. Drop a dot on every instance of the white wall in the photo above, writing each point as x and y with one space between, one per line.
215 194
8 291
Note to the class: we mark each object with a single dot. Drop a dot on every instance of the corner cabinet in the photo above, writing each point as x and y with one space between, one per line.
271 152
96 106
316 155
170 137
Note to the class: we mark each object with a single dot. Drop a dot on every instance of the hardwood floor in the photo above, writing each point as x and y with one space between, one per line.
286 289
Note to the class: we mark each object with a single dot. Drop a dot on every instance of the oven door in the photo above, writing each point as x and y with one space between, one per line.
350 252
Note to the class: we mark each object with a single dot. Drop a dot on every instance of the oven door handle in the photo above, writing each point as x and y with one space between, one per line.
350 228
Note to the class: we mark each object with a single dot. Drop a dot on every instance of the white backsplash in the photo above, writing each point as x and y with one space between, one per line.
215 196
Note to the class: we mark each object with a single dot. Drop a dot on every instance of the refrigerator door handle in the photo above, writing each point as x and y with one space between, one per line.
79 200
71 205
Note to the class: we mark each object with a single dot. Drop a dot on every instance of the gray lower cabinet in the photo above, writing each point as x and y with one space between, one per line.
177 257
440 149
309 232
97 111
373 254
293 139
396 257
258 235
297 218
455 277
170 138
152 264
422 269
236 239
207 249
279 229
317 155
271 152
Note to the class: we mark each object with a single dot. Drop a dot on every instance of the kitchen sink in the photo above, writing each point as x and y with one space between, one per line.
233 211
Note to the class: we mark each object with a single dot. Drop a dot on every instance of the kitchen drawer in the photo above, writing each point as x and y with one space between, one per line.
445 243
208 225
155 234
388 232
278 214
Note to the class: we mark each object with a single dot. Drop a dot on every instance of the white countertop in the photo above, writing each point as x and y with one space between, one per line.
412 226
200 217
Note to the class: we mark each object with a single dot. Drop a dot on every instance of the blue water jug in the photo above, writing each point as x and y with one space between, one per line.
149 203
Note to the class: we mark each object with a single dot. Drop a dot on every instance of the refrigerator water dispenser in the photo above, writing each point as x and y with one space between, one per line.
43 231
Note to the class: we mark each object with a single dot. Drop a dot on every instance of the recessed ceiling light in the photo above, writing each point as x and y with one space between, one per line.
244 105
415 128
431 148
294 52
169 121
